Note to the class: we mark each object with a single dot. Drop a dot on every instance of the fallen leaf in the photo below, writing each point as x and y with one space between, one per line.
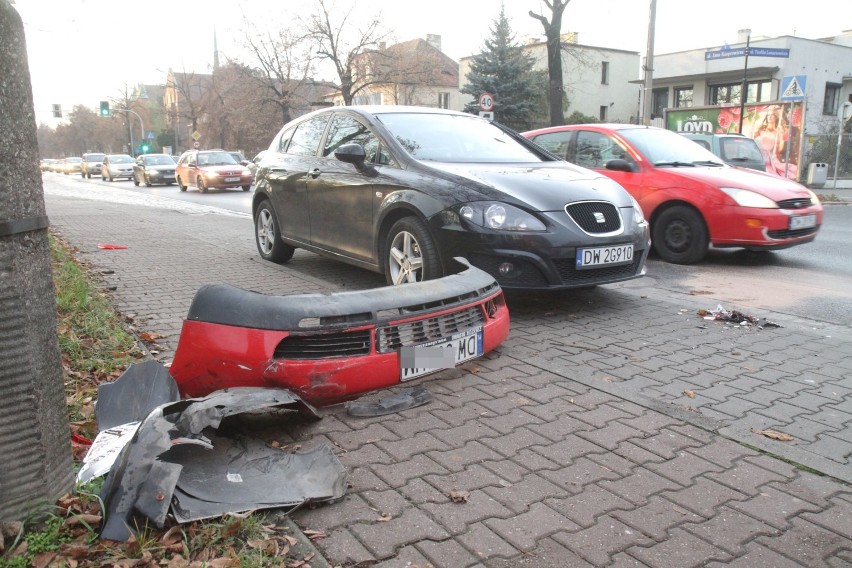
314 535
384 518
43 559
774 435
689 393
459 496
150 337
291 540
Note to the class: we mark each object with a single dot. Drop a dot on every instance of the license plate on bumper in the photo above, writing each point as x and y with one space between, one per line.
803 221
418 360
604 256
232 180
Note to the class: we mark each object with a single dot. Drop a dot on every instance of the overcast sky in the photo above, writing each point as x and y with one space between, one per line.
85 51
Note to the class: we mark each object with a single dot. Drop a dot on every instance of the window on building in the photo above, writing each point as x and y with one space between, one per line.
683 97
832 99
604 72
659 102
443 100
756 91
603 113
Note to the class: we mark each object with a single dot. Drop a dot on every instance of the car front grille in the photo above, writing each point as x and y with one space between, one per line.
792 233
325 345
797 203
595 217
567 269
392 337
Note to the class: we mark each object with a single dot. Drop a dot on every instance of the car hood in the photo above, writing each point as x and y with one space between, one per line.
545 186
161 167
771 186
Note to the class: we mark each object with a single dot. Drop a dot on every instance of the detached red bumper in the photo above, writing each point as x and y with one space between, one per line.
328 348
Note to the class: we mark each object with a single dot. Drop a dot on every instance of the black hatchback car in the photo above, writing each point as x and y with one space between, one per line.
154 168
403 190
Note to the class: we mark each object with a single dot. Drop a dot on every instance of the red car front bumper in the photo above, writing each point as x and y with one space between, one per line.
329 348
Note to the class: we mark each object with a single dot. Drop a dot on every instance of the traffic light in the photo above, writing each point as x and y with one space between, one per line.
104 108
145 147
57 111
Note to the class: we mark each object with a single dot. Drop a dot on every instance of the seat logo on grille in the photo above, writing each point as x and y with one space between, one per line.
599 217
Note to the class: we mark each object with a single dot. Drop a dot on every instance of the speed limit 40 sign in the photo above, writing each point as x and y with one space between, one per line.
486 102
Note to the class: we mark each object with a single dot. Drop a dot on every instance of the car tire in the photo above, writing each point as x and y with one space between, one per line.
679 235
135 180
147 181
246 187
267 237
410 253
181 185
199 183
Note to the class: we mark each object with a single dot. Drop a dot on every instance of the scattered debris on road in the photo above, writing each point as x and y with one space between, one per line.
199 458
104 246
735 317
396 402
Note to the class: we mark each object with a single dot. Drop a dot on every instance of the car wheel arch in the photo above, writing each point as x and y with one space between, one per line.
388 221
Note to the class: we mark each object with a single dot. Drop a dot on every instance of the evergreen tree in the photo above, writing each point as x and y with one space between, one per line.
505 71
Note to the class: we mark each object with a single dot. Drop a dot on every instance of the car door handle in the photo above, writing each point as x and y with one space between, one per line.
314 173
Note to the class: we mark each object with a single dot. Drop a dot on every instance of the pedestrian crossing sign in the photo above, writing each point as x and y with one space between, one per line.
793 88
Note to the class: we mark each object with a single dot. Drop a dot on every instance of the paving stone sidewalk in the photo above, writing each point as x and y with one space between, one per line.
575 444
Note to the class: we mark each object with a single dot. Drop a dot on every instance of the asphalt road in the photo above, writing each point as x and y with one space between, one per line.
809 281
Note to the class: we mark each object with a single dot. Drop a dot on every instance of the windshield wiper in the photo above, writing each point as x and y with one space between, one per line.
708 163
674 164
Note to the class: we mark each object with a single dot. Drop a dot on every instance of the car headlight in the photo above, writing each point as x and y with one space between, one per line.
638 216
746 198
500 216
814 198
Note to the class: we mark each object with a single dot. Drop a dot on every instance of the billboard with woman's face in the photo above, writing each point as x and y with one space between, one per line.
776 128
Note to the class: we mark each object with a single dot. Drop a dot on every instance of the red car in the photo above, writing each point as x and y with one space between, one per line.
211 169
691 198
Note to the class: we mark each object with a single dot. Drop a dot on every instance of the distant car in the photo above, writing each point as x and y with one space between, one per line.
252 165
402 190
154 168
71 165
211 169
117 166
692 199
91 164
238 156
47 164
734 149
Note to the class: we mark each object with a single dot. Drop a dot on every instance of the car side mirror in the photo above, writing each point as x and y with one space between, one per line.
244 162
620 165
351 154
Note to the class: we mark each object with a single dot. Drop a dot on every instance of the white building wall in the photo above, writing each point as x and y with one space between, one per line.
581 73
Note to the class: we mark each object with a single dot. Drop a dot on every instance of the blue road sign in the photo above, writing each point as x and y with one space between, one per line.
793 88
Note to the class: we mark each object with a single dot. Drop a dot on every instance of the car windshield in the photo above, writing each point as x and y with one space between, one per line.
216 159
159 161
73 160
95 157
454 138
666 148
120 159
740 149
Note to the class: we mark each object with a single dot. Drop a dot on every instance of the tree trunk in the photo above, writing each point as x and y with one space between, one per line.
554 72
34 432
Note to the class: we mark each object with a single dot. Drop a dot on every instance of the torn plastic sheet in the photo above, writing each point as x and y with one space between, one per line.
396 402
166 464
132 396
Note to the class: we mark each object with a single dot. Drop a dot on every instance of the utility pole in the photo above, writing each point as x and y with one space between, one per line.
649 66
744 88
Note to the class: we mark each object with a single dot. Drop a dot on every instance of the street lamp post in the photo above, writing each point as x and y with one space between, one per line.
141 128
841 114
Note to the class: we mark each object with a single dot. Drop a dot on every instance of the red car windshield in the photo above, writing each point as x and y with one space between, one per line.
666 148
